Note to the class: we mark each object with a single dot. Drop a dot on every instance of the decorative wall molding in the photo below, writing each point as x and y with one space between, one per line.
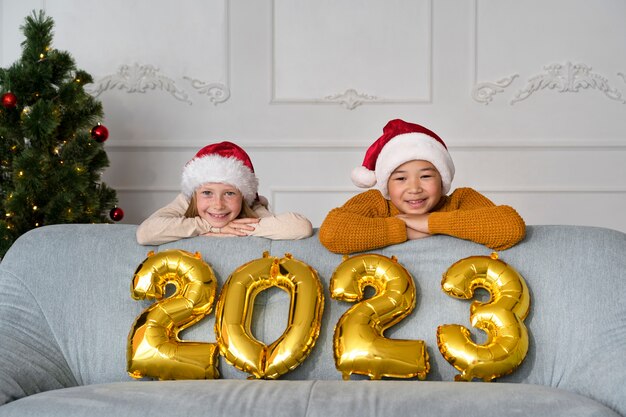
484 92
350 99
568 78
273 191
553 190
147 189
137 78
217 93
464 145
564 78
313 189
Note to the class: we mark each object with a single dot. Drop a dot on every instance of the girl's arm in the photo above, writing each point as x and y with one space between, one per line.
472 216
169 224
364 222
286 226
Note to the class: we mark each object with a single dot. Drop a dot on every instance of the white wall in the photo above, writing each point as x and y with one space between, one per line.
529 96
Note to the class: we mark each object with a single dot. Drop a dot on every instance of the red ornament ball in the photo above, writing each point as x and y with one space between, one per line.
9 100
100 133
116 214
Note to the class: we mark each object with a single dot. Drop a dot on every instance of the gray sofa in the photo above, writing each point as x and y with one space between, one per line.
66 312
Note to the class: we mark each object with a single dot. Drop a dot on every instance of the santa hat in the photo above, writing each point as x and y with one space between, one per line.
402 142
222 162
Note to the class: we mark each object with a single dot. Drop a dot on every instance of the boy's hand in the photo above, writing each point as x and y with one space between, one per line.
414 234
416 225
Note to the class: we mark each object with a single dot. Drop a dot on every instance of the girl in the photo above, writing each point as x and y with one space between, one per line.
219 198
413 171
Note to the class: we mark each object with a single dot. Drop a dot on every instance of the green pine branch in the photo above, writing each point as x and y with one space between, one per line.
50 166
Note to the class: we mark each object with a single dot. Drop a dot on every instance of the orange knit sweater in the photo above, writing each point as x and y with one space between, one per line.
367 221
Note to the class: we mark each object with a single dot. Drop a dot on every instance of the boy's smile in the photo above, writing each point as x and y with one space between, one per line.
415 187
417 204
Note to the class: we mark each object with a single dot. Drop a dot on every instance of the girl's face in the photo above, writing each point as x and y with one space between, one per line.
415 187
218 203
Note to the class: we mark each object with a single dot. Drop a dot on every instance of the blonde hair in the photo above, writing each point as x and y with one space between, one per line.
246 210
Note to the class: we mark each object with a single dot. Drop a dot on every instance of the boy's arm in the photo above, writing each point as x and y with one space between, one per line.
472 216
169 224
362 223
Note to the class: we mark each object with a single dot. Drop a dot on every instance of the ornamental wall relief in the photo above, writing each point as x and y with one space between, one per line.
563 78
142 78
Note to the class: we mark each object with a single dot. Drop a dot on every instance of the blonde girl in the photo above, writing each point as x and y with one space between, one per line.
219 198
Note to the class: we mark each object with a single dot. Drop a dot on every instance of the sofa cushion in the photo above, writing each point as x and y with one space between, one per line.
307 399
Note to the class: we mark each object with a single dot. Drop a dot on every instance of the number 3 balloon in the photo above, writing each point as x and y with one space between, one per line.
501 318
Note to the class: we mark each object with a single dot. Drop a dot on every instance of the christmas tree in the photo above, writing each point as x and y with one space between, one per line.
51 153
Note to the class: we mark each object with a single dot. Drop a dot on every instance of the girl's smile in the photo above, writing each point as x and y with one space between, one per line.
218 203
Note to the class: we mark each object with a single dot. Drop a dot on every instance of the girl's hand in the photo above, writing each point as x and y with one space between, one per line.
237 227
416 225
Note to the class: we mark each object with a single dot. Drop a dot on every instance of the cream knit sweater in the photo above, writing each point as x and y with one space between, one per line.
169 224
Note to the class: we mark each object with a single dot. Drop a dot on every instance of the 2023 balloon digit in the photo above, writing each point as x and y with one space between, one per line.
154 348
502 318
359 345
234 310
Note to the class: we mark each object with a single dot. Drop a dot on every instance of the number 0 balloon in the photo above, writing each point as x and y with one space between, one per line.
233 316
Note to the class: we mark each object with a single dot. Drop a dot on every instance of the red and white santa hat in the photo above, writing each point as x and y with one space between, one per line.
222 162
402 142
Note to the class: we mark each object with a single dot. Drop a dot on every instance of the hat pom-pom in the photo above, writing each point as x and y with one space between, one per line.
363 177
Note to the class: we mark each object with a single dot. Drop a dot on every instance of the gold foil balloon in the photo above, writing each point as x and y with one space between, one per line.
502 318
233 316
154 348
359 345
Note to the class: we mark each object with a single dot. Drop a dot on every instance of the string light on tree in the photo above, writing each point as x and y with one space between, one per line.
26 111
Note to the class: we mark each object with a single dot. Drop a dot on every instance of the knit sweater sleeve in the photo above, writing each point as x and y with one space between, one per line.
363 223
469 215
286 226
169 224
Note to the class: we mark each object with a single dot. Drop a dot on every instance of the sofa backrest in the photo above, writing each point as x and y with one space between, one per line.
66 309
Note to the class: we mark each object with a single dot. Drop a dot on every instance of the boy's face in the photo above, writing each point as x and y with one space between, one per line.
415 187
218 203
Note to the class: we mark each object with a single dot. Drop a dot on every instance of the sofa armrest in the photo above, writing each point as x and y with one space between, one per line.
29 362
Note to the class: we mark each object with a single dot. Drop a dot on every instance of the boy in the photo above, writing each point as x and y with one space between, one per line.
413 171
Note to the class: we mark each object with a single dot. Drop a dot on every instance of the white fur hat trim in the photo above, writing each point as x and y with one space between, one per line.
408 147
215 168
